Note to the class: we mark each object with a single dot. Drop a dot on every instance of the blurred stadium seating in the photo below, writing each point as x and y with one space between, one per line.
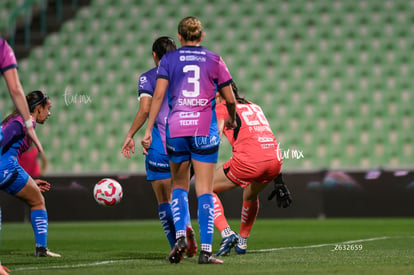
6 7
333 77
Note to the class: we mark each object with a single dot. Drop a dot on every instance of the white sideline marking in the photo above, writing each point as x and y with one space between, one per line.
72 266
317 245
249 251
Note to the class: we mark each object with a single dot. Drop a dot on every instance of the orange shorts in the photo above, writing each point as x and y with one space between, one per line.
243 174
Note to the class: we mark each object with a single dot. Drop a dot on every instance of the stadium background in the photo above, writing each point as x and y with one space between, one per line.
334 79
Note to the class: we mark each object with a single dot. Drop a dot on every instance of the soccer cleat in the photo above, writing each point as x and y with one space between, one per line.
177 253
44 252
191 242
226 244
207 258
241 245
240 249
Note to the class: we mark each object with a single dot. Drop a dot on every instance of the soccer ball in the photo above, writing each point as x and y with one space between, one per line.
107 192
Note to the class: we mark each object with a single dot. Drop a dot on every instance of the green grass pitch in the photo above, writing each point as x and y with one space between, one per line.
276 246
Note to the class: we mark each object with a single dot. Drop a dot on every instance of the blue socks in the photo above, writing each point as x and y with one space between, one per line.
179 207
167 222
206 221
39 222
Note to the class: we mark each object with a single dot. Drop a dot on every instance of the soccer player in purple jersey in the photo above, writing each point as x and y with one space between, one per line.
192 75
156 161
14 180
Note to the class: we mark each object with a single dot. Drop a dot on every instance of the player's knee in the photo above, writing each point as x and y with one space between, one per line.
38 204
163 196
36 201
250 195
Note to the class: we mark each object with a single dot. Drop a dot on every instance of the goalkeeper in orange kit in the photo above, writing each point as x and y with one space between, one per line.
256 161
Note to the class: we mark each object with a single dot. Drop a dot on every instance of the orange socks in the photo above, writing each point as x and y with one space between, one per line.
220 220
248 216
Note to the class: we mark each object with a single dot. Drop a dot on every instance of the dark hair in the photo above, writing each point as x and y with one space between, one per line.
163 45
239 99
33 99
190 28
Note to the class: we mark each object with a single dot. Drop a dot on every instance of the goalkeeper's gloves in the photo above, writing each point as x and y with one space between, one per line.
283 196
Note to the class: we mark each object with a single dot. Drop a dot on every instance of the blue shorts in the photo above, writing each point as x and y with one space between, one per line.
12 177
156 162
203 149
157 165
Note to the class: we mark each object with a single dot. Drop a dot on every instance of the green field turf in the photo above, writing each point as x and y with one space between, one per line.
286 246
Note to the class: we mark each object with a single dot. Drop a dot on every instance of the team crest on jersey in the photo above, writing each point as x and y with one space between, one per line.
143 79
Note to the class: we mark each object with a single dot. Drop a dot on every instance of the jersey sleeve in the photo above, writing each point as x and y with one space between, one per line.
145 87
7 57
223 75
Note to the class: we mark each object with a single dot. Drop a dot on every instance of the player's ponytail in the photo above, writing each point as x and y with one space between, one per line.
239 99
7 118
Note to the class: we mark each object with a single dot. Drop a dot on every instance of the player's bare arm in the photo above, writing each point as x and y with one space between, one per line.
158 97
227 93
140 118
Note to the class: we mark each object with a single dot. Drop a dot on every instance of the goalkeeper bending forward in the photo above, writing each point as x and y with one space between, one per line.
253 165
